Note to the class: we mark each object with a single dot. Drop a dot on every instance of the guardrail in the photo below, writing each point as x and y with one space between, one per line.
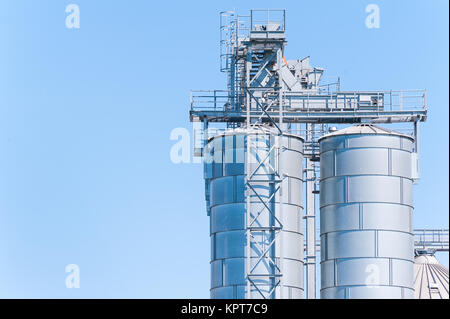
266 17
436 239
207 100
400 100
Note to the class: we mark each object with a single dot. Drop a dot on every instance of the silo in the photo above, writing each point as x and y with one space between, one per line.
271 157
366 214
430 277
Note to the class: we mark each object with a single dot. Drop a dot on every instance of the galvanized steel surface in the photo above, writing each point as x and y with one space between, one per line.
430 278
225 178
366 214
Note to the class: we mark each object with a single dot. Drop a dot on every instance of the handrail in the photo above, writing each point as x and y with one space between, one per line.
281 18
310 100
432 239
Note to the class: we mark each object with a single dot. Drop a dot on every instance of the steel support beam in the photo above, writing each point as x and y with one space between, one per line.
314 117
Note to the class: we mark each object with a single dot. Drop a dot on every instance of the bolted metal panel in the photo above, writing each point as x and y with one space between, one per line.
366 206
226 161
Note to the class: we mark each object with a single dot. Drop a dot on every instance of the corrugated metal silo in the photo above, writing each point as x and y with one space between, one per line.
430 277
225 174
366 207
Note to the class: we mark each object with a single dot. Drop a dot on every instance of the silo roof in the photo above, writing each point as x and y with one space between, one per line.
430 278
252 130
364 129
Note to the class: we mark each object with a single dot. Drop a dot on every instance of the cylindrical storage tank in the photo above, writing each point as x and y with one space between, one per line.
430 277
366 208
225 166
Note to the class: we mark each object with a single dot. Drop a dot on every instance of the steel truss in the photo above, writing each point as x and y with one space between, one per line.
261 239
430 240
261 233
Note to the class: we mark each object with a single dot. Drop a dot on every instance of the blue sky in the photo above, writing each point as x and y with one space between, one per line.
86 115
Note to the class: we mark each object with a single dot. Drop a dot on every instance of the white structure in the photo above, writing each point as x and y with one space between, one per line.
430 278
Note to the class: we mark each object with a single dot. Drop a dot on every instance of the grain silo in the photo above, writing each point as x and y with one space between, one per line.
255 210
366 213
256 240
430 277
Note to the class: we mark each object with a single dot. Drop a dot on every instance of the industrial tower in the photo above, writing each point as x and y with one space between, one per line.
267 90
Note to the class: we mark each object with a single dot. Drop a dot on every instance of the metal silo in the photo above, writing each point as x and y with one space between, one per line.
430 277
254 200
367 245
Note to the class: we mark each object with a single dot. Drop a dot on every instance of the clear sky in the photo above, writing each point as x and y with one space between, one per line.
86 115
